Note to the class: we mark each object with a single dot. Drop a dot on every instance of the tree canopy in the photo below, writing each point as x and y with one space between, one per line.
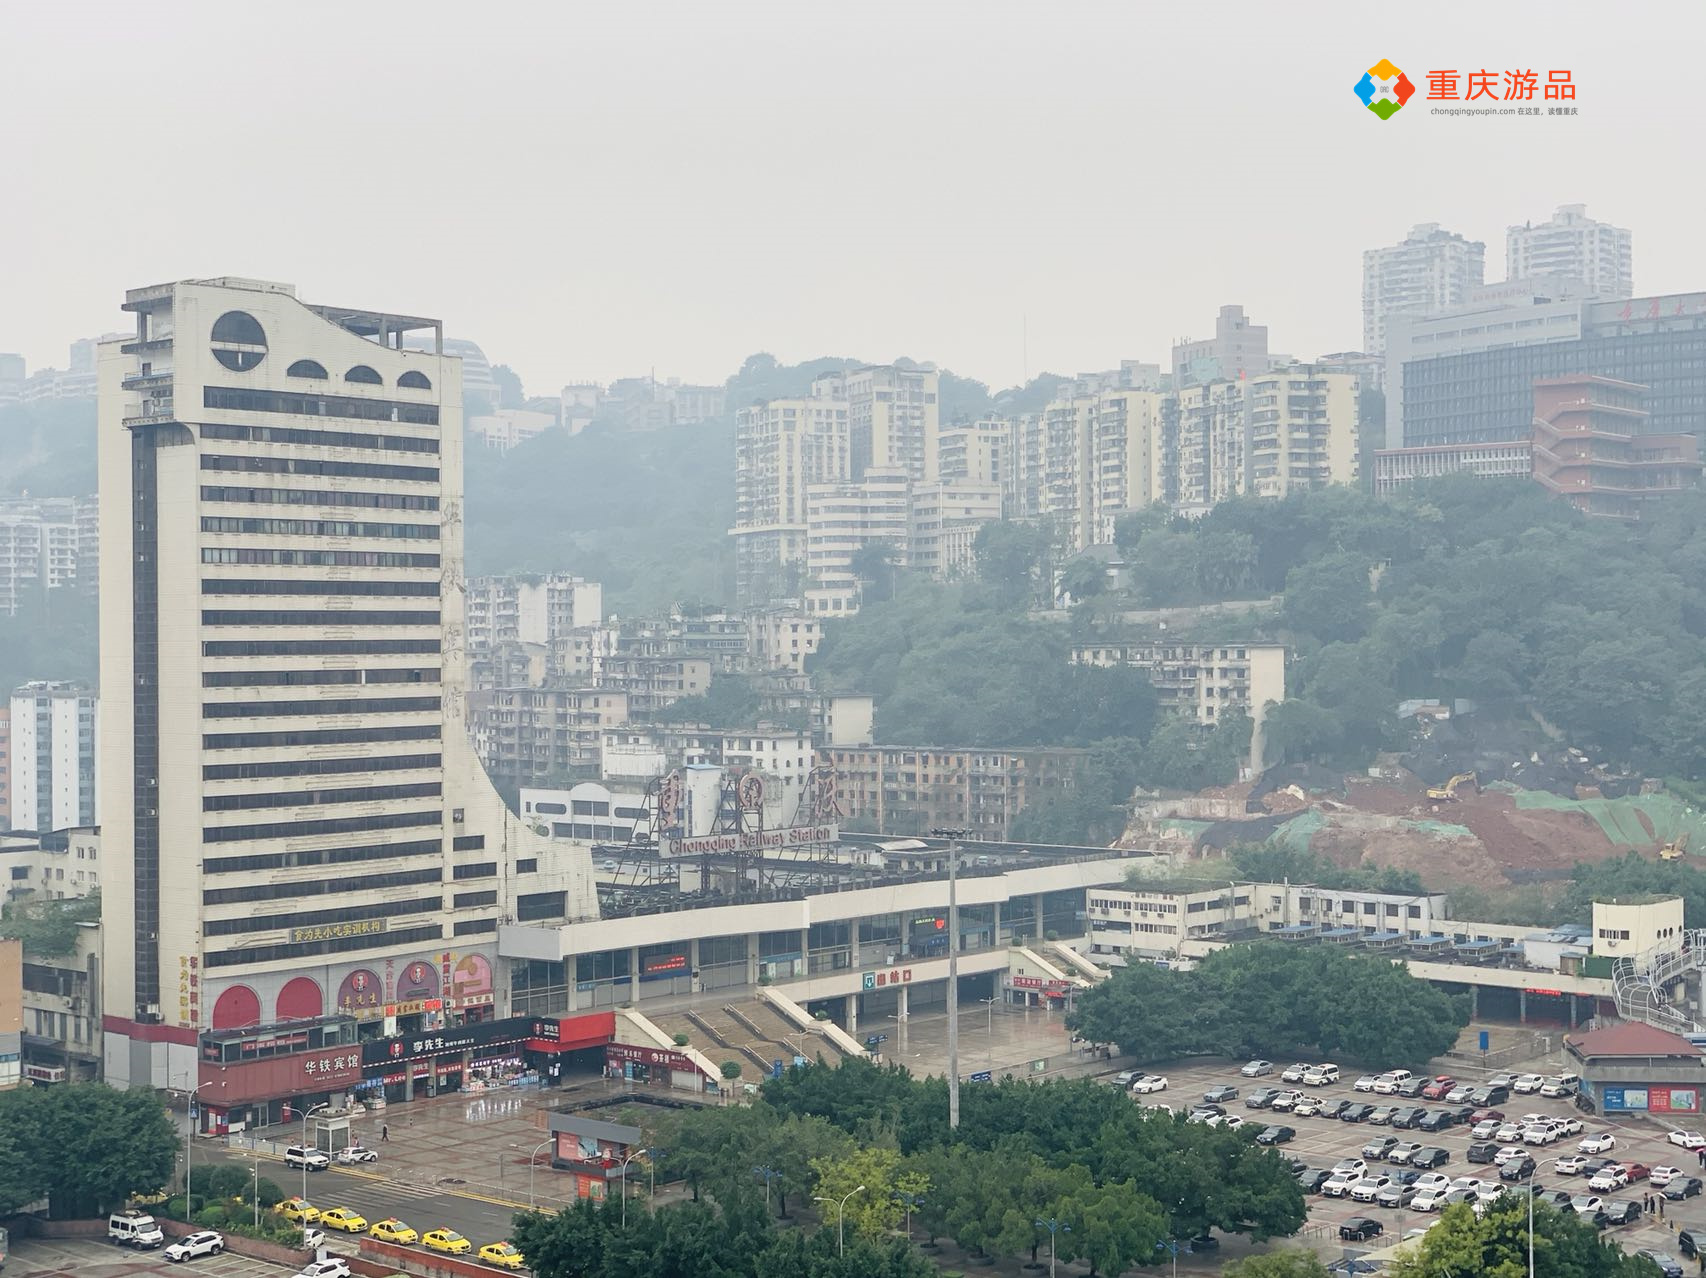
1270 999
1496 1245
107 1146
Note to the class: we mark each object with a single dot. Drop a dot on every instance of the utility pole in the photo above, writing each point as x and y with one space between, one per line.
953 837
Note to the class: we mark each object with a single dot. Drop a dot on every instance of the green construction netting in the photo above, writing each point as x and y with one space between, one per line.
1297 832
1667 816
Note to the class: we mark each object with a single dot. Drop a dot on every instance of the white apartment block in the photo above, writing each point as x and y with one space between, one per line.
782 640
291 808
1181 919
893 420
1131 461
1212 448
1572 244
58 865
1302 430
53 756
1429 270
590 811
1202 680
1065 496
841 520
504 429
46 544
943 523
1397 468
527 734
975 453
782 448
1022 489
529 609
13 373
1237 349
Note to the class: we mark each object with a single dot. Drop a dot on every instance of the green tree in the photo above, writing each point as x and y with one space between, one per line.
1496 1245
1114 1226
1084 577
108 1145
1286 1263
1330 597
1008 556
871 1170
510 392
873 565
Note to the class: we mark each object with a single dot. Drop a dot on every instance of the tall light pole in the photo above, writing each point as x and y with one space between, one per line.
533 1166
306 1115
953 837
1055 1227
840 1217
989 1027
1531 1176
911 1202
769 1174
632 1155
1172 1245
189 1131
652 1167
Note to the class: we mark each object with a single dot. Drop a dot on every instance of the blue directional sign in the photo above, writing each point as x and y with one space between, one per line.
982 1076
776 1069
1486 1040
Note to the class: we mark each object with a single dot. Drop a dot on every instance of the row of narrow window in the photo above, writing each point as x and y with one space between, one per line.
361 374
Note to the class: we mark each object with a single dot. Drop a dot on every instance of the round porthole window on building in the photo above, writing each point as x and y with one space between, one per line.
239 342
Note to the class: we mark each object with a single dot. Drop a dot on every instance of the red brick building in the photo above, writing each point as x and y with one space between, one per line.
1592 449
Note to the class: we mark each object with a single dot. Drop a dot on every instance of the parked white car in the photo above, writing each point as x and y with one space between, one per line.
1366 1188
1661 1176
1586 1204
1510 1154
1230 1121
1308 1107
1294 1073
1340 1183
1430 1199
1365 1083
1350 1164
1601 1142
1146 1083
1527 1084
1687 1140
1571 1164
357 1154
1321 1075
1432 1180
1257 1069
1609 1178
1541 1133
330 1268
1486 1129
1561 1085
1508 1131
206 1243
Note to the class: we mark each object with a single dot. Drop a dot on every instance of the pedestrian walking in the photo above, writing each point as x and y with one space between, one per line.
384 1132
1702 1156
1661 1202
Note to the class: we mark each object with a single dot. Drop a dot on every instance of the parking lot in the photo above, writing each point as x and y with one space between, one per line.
1321 1142
87 1258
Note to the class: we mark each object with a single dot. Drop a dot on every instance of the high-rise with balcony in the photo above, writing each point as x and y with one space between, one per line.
1132 461
1302 426
1430 269
52 756
781 448
1572 244
976 452
294 820
892 420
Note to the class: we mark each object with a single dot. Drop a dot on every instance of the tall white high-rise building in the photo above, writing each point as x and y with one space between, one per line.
893 420
1428 270
1572 244
295 822
53 756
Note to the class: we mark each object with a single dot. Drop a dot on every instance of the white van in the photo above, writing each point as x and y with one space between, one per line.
134 1229
1391 1081
1561 1085
1321 1075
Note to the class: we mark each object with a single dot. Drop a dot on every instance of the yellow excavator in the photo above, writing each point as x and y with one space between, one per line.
1673 850
1449 789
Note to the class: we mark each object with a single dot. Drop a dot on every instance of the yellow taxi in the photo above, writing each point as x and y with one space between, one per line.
447 1240
392 1230
344 1218
502 1255
299 1210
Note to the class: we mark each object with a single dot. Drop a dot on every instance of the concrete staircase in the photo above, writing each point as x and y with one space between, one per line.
1084 966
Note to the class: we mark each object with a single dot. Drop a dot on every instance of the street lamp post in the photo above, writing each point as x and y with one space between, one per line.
911 1202
1054 1228
632 1155
652 1167
989 1026
953 837
1172 1245
769 1174
189 1131
306 1115
533 1166
840 1217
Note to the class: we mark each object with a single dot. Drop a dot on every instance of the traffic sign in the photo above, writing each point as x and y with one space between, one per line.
776 1069
982 1076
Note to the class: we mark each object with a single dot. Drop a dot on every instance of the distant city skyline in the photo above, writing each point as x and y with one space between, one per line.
591 194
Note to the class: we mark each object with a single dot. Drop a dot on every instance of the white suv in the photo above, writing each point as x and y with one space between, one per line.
306 1156
206 1243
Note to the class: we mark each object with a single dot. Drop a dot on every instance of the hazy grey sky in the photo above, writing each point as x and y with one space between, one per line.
592 190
